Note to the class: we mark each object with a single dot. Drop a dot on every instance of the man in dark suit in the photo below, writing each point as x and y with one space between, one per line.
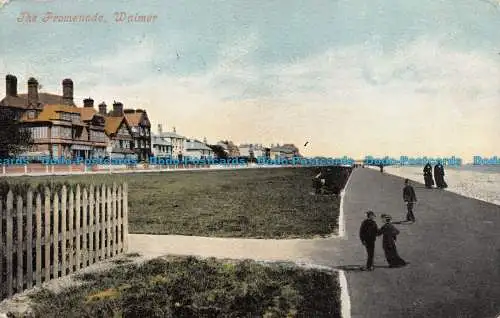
368 235
410 198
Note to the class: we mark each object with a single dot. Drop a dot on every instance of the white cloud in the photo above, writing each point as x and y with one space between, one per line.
422 99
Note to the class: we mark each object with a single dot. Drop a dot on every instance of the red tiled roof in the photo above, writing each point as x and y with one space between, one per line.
112 124
49 113
133 119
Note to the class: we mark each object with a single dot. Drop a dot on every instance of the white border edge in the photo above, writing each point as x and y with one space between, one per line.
341 221
345 300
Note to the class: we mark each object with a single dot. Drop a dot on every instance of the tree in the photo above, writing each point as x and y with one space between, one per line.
218 151
14 139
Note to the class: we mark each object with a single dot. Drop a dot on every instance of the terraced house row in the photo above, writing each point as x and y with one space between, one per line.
62 129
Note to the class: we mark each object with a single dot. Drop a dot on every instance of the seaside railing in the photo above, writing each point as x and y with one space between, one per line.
48 235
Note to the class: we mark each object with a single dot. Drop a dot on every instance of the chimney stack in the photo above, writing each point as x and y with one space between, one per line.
160 130
88 102
11 85
102 109
67 85
32 91
117 109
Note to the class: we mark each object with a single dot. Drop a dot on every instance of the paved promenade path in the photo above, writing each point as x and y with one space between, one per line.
453 250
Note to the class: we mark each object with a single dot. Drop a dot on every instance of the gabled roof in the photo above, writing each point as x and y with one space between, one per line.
113 124
133 119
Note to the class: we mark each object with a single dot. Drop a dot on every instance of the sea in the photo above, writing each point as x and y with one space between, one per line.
480 182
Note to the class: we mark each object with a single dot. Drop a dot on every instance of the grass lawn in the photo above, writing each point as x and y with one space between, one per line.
259 203
190 287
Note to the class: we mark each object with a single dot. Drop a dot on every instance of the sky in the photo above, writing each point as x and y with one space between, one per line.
355 78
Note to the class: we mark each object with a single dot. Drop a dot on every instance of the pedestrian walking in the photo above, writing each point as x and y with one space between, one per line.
409 197
429 182
389 236
368 235
439 176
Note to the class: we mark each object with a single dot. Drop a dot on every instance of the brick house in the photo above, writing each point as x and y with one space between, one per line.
59 128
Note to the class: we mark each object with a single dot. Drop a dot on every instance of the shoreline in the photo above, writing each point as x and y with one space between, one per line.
479 185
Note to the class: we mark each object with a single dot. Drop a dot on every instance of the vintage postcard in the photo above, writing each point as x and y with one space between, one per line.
279 158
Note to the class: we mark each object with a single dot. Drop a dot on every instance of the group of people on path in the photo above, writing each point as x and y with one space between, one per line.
368 235
369 231
438 176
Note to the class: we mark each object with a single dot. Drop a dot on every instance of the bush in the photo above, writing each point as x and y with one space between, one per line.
190 287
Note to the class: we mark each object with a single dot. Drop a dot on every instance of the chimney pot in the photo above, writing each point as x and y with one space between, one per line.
117 109
11 85
67 85
160 130
88 102
103 108
32 91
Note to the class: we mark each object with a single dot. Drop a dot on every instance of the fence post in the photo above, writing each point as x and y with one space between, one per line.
38 244
9 233
125 217
91 224
114 246
97 253
71 230
119 219
103 222
108 222
29 238
55 235
47 235
64 252
85 249
78 256
20 265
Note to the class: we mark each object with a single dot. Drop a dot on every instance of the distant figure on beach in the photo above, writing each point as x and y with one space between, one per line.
368 235
381 166
389 233
439 176
409 197
429 182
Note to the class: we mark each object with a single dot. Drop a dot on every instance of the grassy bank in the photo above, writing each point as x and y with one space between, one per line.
260 203
190 287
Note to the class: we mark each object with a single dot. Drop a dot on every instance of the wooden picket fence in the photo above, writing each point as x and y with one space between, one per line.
50 235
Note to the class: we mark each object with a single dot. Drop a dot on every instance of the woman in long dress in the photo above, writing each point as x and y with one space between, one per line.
429 182
389 233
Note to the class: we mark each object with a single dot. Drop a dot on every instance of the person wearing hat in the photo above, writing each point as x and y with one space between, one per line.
409 197
389 233
368 235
